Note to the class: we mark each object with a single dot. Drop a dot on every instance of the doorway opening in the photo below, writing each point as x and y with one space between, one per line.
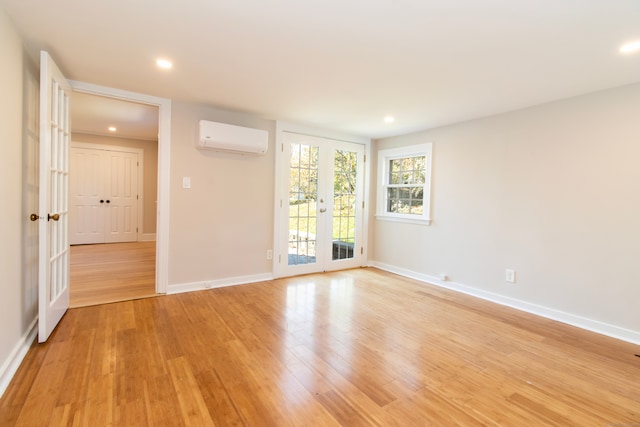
320 205
113 183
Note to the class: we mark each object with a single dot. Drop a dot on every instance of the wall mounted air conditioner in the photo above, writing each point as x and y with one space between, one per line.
224 137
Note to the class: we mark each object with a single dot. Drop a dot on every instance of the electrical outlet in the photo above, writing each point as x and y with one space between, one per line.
510 275
269 254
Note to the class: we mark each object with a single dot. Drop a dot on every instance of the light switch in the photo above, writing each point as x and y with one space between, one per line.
186 182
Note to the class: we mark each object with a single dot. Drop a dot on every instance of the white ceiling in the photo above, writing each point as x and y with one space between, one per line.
343 64
95 114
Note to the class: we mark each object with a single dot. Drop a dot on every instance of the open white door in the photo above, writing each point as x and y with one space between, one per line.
53 276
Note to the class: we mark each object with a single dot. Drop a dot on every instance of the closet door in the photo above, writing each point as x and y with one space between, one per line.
86 213
103 196
121 192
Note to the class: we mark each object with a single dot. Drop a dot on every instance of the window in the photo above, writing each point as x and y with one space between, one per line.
404 183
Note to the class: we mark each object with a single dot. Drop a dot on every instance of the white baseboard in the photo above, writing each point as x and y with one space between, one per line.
11 365
549 313
219 283
148 237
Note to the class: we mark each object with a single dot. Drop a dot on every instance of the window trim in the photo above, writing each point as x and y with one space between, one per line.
384 158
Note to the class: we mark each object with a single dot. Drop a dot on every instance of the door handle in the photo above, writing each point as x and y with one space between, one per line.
54 217
101 201
34 217
322 210
108 201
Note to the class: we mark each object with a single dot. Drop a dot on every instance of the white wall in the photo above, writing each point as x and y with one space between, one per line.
18 299
222 226
552 192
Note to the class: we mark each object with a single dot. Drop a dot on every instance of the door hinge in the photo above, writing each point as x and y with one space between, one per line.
138 197
279 259
136 229
363 204
282 148
365 159
361 250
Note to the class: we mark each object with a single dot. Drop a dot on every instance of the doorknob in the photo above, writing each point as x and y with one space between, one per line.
34 217
54 217
108 201
323 210
101 201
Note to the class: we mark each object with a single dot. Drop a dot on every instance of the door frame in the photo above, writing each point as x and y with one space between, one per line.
281 193
164 161
140 175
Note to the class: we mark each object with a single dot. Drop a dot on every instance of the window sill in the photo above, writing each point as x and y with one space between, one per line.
417 221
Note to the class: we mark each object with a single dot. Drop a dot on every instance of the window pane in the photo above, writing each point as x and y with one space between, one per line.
405 200
416 207
303 177
408 170
344 187
395 178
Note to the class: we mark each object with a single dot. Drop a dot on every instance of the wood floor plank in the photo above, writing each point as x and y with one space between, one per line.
111 272
191 402
357 347
219 403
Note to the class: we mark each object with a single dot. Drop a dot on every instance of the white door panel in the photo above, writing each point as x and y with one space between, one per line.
104 185
30 189
53 241
122 194
86 213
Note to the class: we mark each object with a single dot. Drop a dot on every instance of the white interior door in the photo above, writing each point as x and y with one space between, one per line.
321 212
121 202
53 265
103 195
30 190
86 182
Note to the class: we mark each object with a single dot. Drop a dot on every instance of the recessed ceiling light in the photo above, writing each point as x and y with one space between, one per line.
164 63
389 119
112 129
630 47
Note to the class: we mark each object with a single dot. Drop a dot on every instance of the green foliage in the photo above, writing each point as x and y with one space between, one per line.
303 189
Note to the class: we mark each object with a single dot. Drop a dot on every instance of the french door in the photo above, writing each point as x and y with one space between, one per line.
53 240
321 208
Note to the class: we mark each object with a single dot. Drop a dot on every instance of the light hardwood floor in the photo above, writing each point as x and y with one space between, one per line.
112 272
354 348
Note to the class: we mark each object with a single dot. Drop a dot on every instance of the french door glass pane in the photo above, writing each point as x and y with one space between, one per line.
303 194
344 208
